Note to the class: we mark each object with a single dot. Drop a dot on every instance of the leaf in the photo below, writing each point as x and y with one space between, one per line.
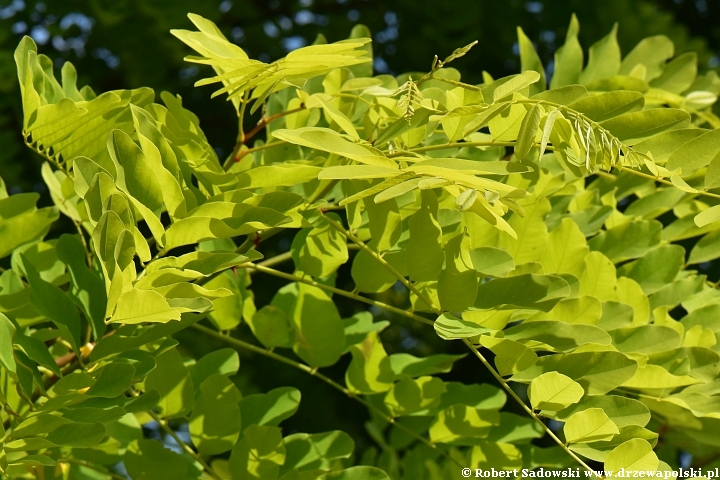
215 420
358 473
54 304
113 380
272 327
424 251
634 455
513 84
528 131
706 217
679 74
607 105
87 289
450 327
327 140
629 240
462 423
695 153
173 382
457 283
590 425
597 372
604 58
554 391
510 356
539 292
566 249
150 460
316 453
558 335
370 370
488 455
622 411
319 333
77 434
630 128
404 364
269 409
7 331
568 58
320 251
259 454
492 261
657 268
529 60
139 306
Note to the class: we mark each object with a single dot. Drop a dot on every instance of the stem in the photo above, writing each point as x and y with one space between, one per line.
379 258
338 291
525 407
313 371
183 445
666 182
241 154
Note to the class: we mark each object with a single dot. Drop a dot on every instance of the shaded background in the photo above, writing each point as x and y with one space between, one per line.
126 44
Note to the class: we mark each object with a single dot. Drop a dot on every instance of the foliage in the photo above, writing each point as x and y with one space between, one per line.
520 214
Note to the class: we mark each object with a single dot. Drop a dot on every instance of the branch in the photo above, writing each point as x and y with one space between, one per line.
313 371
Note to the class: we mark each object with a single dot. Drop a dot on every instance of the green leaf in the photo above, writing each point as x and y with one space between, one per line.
539 292
412 395
604 59
634 455
528 130
424 251
568 58
7 332
269 409
358 473
272 327
630 128
450 327
510 356
695 153
370 370
215 420
656 268
558 335
458 282
112 381
318 452
404 364
173 382
150 460
651 54
461 423
259 454
489 455
622 411
319 330
224 361
706 217
321 250
679 74
554 391
87 288
589 425
492 261
77 434
53 303
529 60
609 104
509 85
597 372
327 140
